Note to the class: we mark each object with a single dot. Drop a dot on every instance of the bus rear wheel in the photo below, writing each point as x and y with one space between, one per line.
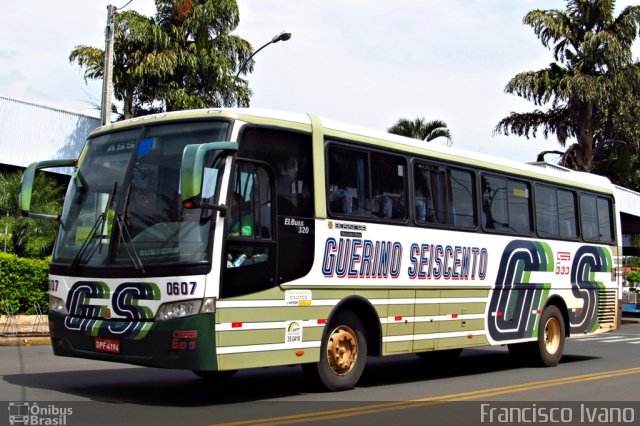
343 354
551 335
549 347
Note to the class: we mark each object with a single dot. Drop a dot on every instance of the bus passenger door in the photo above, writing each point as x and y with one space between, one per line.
400 316
250 247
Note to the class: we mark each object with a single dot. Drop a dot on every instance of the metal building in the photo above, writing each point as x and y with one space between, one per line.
30 132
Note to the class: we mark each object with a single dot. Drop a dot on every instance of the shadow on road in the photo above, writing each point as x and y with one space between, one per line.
179 388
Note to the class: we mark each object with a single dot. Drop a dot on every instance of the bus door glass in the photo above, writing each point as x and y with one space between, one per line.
250 250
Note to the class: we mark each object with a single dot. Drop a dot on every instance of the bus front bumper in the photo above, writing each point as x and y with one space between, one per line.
183 343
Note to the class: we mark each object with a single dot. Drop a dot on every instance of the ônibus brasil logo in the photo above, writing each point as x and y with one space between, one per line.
31 413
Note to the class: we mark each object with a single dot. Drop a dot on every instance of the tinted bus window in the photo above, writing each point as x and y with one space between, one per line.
388 184
506 205
547 212
444 196
366 184
589 217
495 211
519 217
567 214
555 213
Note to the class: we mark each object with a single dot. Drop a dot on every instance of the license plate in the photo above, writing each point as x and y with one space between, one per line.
107 345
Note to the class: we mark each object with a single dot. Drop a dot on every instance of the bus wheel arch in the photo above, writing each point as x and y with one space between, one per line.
562 306
369 318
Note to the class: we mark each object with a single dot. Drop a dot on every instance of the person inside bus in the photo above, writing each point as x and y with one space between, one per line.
241 223
425 210
341 201
488 221
384 206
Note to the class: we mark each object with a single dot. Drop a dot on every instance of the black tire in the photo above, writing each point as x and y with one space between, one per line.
214 375
441 357
551 337
343 354
548 349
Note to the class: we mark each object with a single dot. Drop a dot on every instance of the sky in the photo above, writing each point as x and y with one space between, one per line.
362 62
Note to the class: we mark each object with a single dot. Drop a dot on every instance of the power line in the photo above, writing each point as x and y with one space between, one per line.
120 8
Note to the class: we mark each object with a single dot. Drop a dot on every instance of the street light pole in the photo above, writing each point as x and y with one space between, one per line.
280 37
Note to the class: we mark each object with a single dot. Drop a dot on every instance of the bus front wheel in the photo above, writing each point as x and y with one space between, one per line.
343 354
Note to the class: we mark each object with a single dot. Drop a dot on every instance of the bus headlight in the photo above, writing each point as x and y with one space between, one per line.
185 308
57 305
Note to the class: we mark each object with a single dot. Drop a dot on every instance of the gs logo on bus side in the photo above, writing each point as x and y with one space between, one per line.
88 317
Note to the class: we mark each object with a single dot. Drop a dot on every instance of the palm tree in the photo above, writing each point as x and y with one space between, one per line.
209 55
422 129
585 88
142 57
184 58
31 237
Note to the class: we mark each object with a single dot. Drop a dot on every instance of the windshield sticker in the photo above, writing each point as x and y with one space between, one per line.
144 148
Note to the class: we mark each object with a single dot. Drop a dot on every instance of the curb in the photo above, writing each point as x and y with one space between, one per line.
25 341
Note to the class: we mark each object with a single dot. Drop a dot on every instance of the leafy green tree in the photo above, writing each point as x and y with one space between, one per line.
209 55
419 128
141 59
184 58
30 237
585 92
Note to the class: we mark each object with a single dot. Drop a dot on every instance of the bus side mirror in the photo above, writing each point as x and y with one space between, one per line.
27 182
194 176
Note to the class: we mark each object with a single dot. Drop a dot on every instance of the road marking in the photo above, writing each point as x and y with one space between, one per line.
323 416
600 339
627 338
624 339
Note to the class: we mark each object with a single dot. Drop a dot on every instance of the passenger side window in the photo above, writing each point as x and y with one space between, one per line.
388 182
506 205
444 196
366 184
555 213
348 182
596 218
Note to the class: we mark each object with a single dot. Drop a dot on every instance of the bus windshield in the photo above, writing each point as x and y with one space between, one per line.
123 206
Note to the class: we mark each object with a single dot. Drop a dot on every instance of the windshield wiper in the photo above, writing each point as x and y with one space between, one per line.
92 237
125 237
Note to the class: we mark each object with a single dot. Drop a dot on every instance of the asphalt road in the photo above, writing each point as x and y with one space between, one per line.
597 380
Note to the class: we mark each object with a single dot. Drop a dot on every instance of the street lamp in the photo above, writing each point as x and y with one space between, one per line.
275 39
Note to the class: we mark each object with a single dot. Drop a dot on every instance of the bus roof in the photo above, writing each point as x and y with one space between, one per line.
341 130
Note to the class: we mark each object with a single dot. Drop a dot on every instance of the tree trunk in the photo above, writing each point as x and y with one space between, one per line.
584 128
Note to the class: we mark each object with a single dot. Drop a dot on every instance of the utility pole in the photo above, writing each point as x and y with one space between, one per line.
105 116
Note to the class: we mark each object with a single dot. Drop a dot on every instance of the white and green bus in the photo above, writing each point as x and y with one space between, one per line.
225 239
